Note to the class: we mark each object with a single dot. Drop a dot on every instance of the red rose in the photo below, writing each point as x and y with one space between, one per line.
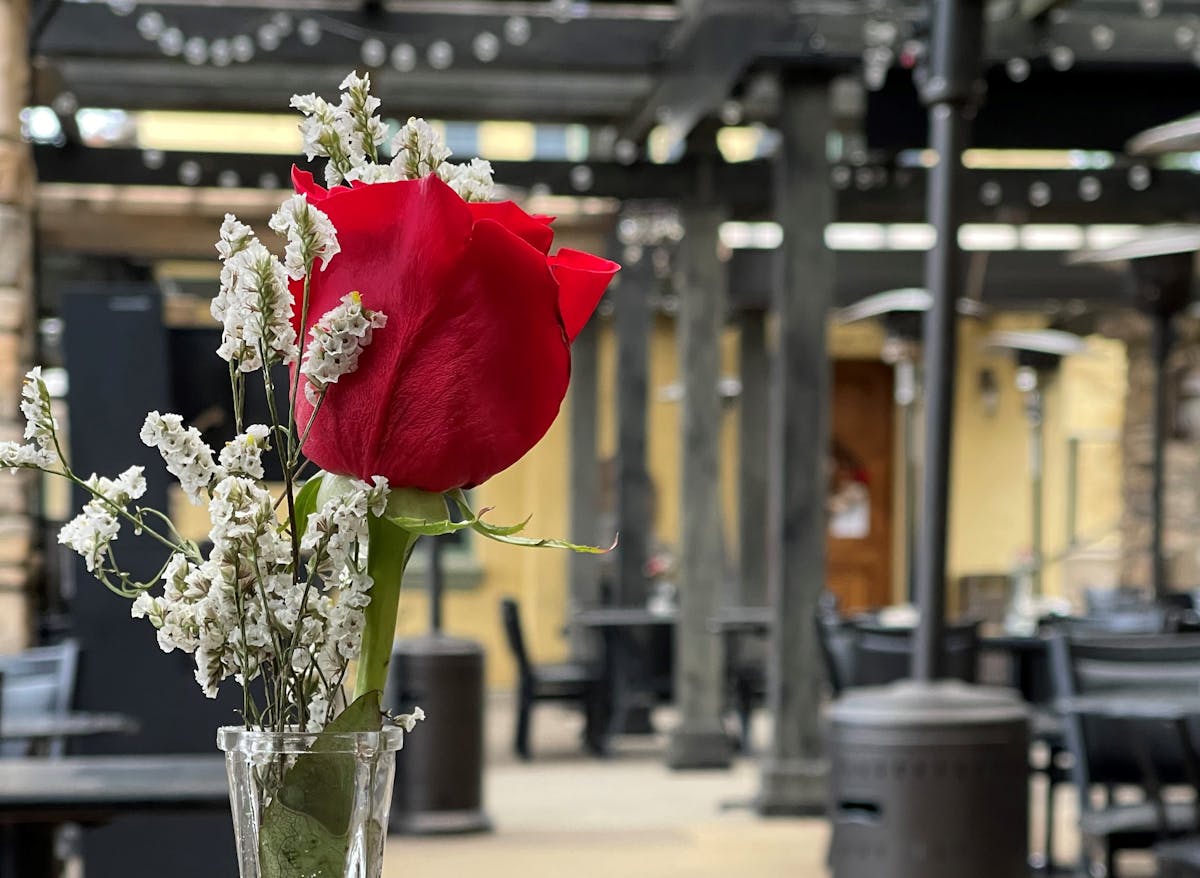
471 369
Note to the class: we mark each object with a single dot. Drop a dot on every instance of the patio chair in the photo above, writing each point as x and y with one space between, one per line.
38 681
566 682
1102 755
1147 619
883 654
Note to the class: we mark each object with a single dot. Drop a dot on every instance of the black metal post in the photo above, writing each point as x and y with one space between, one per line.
950 92
1035 411
907 383
1160 347
435 585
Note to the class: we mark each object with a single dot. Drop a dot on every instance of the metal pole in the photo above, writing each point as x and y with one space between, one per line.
906 396
435 585
1035 411
1160 342
950 95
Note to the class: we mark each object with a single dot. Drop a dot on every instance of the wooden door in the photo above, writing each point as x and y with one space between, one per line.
859 543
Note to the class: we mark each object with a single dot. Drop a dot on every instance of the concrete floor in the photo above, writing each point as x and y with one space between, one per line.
565 814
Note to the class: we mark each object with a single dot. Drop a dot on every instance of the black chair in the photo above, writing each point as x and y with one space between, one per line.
1146 619
37 682
1102 755
567 682
883 654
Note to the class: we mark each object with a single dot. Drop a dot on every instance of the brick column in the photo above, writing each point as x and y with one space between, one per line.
17 330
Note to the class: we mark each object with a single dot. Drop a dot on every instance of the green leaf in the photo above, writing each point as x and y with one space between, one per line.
306 826
499 536
500 530
306 503
423 513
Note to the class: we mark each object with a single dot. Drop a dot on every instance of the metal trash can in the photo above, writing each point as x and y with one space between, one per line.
929 781
439 772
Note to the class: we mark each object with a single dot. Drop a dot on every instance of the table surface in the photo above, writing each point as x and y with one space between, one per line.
66 725
620 617
1134 705
97 787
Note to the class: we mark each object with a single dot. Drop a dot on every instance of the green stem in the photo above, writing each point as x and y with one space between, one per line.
387 555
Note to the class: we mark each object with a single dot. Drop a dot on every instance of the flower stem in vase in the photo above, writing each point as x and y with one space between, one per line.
387 555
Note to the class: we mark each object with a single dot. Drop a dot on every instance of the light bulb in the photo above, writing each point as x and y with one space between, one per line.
517 30
153 158
268 180
150 25
282 22
309 31
268 37
122 7
404 57
440 55
195 50
1089 188
1103 37
1139 178
220 53
190 172
170 41
1039 194
990 193
626 151
1017 69
1062 58
373 52
486 46
229 179
242 48
581 178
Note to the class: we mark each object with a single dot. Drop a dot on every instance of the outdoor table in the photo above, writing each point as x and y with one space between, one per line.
45 727
1028 662
38 795
625 659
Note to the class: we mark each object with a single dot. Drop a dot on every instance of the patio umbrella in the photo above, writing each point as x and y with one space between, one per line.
1161 262
1038 354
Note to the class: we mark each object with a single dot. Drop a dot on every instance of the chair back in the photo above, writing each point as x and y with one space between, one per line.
1146 619
37 682
883 654
510 613
1160 664
836 639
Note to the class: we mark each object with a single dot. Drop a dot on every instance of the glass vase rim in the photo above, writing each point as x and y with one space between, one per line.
240 739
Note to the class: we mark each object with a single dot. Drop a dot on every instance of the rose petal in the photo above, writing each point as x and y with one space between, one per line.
582 279
534 229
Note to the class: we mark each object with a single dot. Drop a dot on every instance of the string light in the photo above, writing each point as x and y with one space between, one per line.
517 30
1062 58
153 158
229 179
486 46
1139 178
242 48
625 151
122 7
440 55
404 57
195 50
374 52
150 25
190 173
268 180
220 53
1185 37
1089 188
1039 194
1017 69
309 31
990 193
581 178
170 41
1103 37
268 37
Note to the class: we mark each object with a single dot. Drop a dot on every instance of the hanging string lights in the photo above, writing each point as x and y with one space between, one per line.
376 49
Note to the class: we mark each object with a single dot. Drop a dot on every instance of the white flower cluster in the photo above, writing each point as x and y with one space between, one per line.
253 303
40 426
243 455
310 236
92 531
244 607
349 135
186 454
338 340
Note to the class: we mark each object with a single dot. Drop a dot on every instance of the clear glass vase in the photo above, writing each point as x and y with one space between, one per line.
310 805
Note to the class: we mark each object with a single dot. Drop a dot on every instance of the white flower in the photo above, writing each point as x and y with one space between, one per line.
362 130
254 306
419 150
472 181
338 339
40 425
323 134
186 454
129 485
235 236
373 173
243 455
310 236
90 532
14 455
409 720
